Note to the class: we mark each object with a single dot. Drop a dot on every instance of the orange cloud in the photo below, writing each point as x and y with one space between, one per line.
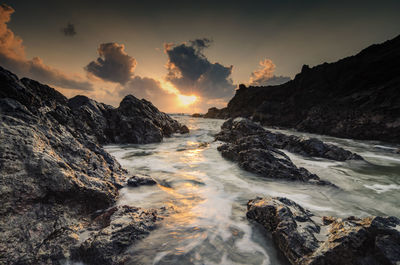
12 57
264 75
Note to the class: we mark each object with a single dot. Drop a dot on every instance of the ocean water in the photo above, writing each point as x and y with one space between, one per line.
206 195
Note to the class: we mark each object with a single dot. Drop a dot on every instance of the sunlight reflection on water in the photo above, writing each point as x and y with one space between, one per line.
206 195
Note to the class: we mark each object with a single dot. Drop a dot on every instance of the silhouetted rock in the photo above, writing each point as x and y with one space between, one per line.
357 97
54 174
215 113
306 239
197 115
136 181
134 121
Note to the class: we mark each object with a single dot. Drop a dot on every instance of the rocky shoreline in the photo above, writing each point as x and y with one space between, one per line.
306 239
302 237
351 98
259 151
57 183
58 186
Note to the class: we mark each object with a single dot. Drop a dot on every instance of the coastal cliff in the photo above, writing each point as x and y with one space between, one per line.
357 97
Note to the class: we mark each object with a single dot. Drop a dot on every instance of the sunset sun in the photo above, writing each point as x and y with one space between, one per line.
187 100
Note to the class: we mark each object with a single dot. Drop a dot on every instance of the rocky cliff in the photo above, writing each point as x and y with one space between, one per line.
56 181
357 97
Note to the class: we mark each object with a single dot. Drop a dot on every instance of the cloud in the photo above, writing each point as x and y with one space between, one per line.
69 30
192 73
12 57
113 65
264 76
150 89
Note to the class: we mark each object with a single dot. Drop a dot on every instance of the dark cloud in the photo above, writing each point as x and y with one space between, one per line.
264 76
12 57
149 89
69 30
114 64
192 73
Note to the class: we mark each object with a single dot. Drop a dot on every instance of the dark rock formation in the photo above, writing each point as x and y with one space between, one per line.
53 172
257 150
214 113
306 239
114 232
136 181
134 121
357 97
197 115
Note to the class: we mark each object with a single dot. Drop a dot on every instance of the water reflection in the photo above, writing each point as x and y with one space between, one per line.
205 195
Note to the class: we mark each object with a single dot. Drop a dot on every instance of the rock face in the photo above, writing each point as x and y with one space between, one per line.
114 232
357 97
257 150
53 172
306 239
134 121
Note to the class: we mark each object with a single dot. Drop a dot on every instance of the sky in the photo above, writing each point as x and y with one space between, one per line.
184 56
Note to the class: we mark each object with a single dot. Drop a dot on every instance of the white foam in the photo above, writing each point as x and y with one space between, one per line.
381 188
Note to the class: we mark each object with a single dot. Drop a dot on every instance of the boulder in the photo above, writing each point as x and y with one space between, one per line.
306 239
115 231
136 181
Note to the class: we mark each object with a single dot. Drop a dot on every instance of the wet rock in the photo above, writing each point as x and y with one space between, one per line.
259 151
115 231
53 172
134 121
136 181
235 129
183 129
306 239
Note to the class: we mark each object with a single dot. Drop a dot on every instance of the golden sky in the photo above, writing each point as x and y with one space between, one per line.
183 56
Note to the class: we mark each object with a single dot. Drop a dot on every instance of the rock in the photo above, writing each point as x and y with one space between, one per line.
214 113
350 98
114 231
134 121
136 181
306 239
234 129
258 151
183 129
197 115
53 172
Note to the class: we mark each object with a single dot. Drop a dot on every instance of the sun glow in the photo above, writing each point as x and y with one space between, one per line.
187 100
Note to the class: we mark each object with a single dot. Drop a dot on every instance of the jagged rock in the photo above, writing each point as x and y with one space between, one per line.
115 230
53 172
214 113
134 121
258 151
350 98
234 129
136 181
306 239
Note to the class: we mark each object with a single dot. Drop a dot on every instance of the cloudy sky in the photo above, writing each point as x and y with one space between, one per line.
184 56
